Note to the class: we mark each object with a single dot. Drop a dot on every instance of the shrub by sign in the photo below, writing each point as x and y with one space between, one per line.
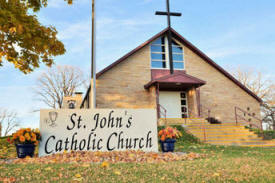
97 130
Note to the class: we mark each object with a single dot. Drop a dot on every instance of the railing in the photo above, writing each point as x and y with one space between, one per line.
162 111
204 111
202 126
242 117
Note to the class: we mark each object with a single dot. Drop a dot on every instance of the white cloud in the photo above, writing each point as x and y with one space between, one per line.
22 103
77 30
236 41
115 28
55 3
222 52
77 36
146 1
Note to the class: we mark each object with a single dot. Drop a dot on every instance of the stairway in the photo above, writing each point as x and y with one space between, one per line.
220 134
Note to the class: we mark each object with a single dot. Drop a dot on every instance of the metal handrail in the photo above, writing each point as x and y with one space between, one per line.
204 110
248 121
164 113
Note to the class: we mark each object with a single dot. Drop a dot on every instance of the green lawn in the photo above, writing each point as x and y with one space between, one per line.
222 164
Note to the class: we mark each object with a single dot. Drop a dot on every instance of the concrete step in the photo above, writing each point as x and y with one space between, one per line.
221 134
171 121
247 144
253 145
209 124
216 127
228 137
236 141
219 131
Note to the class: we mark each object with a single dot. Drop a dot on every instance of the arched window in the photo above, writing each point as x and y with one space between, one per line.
159 54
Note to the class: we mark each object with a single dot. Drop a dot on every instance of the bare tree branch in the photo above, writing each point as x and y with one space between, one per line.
263 88
9 120
58 82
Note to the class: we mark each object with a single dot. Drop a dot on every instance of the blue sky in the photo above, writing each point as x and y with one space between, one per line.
232 32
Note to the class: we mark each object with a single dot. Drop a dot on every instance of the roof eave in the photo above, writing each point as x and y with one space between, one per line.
211 62
152 83
131 53
193 48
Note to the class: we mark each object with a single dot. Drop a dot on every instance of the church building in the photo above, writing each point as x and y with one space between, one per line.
198 87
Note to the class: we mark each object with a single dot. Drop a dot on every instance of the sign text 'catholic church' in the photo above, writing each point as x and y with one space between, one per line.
97 130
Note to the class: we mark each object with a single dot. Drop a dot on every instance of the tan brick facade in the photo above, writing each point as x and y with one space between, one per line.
220 94
123 85
192 102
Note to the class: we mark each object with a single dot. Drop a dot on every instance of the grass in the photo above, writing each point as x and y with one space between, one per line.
266 134
222 164
6 150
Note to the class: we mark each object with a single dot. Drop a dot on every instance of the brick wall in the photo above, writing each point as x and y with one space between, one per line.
219 94
123 85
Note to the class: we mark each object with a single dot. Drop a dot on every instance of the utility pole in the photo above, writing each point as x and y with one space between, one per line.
93 56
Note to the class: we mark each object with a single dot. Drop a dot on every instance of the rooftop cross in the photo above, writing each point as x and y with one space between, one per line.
169 36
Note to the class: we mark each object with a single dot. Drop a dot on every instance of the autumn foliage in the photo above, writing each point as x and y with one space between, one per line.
169 133
26 136
24 42
105 158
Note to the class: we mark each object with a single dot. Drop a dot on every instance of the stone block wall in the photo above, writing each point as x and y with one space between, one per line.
123 85
220 94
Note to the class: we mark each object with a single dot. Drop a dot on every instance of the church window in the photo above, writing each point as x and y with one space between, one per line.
178 58
159 54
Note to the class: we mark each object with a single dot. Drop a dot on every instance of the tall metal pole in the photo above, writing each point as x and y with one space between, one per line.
93 65
169 38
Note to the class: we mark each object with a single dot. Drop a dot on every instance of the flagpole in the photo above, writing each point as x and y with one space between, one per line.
93 56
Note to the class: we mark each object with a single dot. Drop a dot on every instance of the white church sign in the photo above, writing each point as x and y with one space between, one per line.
98 130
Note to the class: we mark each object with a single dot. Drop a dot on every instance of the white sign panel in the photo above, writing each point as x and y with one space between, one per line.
97 130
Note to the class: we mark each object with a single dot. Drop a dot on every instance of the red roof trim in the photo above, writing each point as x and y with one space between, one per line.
211 62
193 48
131 53
163 79
182 74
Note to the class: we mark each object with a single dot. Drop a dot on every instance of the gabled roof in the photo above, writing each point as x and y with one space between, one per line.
132 52
179 77
190 46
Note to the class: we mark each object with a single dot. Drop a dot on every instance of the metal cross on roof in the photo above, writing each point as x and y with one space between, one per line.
169 36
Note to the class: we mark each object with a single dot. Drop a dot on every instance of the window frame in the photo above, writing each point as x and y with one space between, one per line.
161 53
167 55
186 104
